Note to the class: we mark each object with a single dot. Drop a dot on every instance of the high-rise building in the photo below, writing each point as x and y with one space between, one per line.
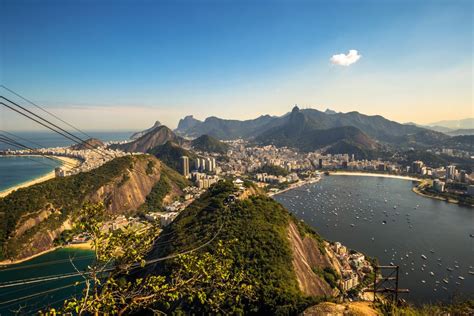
450 172
185 166
320 163
197 163
416 167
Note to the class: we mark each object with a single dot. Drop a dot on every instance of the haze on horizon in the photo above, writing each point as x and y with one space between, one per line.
123 66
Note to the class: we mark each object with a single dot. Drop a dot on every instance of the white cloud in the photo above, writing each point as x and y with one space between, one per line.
346 59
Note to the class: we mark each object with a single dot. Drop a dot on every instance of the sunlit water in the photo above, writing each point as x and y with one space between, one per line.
30 298
383 218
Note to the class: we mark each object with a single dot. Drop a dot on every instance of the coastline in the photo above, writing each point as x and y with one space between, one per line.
368 174
81 246
45 177
6 263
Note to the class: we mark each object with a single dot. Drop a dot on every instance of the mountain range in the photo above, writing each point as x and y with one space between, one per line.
365 136
310 129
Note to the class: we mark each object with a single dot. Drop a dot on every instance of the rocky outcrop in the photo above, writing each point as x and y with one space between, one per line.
306 255
123 192
128 191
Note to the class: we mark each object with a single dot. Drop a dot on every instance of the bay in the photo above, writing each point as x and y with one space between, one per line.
385 219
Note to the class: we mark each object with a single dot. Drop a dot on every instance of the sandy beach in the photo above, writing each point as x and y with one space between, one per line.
367 174
48 176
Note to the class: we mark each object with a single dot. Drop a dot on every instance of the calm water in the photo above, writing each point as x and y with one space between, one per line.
383 218
53 263
16 170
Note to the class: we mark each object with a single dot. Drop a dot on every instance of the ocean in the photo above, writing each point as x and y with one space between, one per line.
17 170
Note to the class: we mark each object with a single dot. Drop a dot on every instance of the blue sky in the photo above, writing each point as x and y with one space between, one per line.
125 64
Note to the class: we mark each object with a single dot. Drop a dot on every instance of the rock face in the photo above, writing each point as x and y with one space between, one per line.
155 137
306 255
124 196
123 187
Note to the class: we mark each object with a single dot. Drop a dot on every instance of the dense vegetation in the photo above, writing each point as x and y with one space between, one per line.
64 194
209 144
273 170
171 153
64 197
256 231
436 161
212 280
168 179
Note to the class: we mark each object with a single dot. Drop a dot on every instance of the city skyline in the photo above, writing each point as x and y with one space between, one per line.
409 62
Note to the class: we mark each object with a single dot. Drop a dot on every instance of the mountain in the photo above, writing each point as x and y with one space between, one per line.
171 153
157 136
88 144
224 129
280 256
32 218
140 134
301 131
460 132
187 123
376 127
209 144
467 123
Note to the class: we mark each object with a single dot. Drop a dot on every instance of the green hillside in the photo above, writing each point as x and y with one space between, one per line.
49 204
170 153
255 231
209 144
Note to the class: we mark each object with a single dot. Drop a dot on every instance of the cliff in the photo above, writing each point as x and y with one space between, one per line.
31 218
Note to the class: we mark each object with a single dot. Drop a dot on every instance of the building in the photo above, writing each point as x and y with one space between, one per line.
59 172
320 163
185 166
349 281
470 190
438 185
450 172
417 167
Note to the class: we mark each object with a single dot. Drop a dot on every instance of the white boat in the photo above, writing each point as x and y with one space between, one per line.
460 278
424 257
432 274
445 281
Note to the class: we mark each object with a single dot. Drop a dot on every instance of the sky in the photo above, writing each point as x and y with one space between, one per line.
121 65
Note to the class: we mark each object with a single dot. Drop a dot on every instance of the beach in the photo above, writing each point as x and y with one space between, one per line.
67 164
368 174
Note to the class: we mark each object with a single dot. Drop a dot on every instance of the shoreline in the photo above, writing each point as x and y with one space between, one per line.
368 174
45 177
81 246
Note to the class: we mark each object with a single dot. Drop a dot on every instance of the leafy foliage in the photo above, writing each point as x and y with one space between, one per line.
210 281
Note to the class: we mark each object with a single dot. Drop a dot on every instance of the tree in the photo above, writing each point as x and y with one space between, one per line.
210 283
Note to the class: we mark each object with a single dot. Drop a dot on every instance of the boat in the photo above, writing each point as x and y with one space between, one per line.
432 274
450 269
424 257
471 272
460 278
445 281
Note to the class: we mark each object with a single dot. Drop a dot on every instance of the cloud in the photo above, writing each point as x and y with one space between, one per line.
346 59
